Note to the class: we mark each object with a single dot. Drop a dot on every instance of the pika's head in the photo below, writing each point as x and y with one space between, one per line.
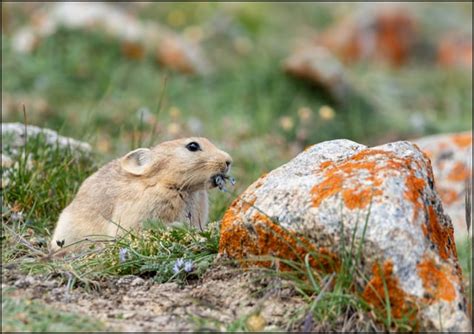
187 164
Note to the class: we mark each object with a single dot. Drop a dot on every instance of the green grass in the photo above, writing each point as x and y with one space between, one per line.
94 93
43 183
160 252
21 315
154 252
464 250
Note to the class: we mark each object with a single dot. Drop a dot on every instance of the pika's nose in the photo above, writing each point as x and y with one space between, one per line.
228 163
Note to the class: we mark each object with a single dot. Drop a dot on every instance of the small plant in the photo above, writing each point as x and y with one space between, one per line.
166 253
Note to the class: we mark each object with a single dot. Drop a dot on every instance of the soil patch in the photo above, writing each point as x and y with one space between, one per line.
225 296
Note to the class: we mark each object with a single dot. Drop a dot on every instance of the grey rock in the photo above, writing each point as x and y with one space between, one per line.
25 282
451 158
14 133
384 196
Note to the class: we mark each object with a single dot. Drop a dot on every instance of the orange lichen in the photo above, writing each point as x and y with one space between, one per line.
462 140
262 237
330 186
326 164
437 281
246 205
459 173
359 199
448 196
440 236
384 284
360 193
358 196
415 187
389 39
428 154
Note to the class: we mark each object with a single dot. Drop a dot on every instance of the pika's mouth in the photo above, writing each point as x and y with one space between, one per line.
220 181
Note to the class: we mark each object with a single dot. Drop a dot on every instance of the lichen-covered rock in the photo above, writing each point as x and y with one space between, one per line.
13 136
451 157
384 195
376 32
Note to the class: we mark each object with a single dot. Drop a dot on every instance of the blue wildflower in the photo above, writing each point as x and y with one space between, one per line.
17 216
179 263
188 266
123 255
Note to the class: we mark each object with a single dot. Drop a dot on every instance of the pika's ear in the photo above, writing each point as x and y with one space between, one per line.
137 162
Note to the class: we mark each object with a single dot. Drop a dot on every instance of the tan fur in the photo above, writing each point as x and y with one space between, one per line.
167 182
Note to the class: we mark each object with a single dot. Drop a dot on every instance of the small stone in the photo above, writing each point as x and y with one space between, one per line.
137 281
130 280
25 282
128 315
7 162
256 323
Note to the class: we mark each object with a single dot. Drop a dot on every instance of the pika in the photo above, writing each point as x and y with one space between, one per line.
168 182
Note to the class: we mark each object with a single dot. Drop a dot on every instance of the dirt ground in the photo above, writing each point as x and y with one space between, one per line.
222 298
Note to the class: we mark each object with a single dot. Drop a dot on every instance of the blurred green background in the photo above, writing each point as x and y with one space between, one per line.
81 83
79 70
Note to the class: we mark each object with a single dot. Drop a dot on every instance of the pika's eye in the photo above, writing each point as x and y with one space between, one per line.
193 146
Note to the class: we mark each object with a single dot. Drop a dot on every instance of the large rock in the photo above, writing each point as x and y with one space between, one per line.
451 158
375 32
318 65
386 196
